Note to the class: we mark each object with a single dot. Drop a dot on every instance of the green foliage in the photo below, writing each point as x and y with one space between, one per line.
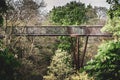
115 8
72 13
61 69
113 22
106 65
90 13
74 76
79 76
65 44
8 65
112 26
60 66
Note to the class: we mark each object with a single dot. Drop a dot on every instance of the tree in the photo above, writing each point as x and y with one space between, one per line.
90 12
23 12
72 13
106 66
114 9
101 12
113 23
60 66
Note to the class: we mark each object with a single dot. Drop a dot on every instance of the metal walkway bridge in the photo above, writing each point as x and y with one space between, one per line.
59 31
73 31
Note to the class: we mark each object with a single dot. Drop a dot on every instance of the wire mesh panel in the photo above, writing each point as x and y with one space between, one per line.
59 30
48 30
95 31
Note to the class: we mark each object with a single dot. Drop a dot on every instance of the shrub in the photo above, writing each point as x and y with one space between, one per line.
106 65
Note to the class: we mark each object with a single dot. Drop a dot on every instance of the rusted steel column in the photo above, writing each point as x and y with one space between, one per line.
77 54
84 52
73 46
75 51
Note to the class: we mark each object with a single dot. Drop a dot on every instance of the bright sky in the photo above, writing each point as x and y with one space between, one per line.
51 3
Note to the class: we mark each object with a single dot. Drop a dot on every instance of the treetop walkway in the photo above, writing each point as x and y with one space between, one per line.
59 31
73 31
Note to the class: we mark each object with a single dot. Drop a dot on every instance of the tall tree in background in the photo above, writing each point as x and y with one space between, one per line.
25 11
101 12
114 8
72 13
90 12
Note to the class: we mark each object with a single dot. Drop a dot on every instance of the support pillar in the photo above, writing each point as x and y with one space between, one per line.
75 52
84 52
